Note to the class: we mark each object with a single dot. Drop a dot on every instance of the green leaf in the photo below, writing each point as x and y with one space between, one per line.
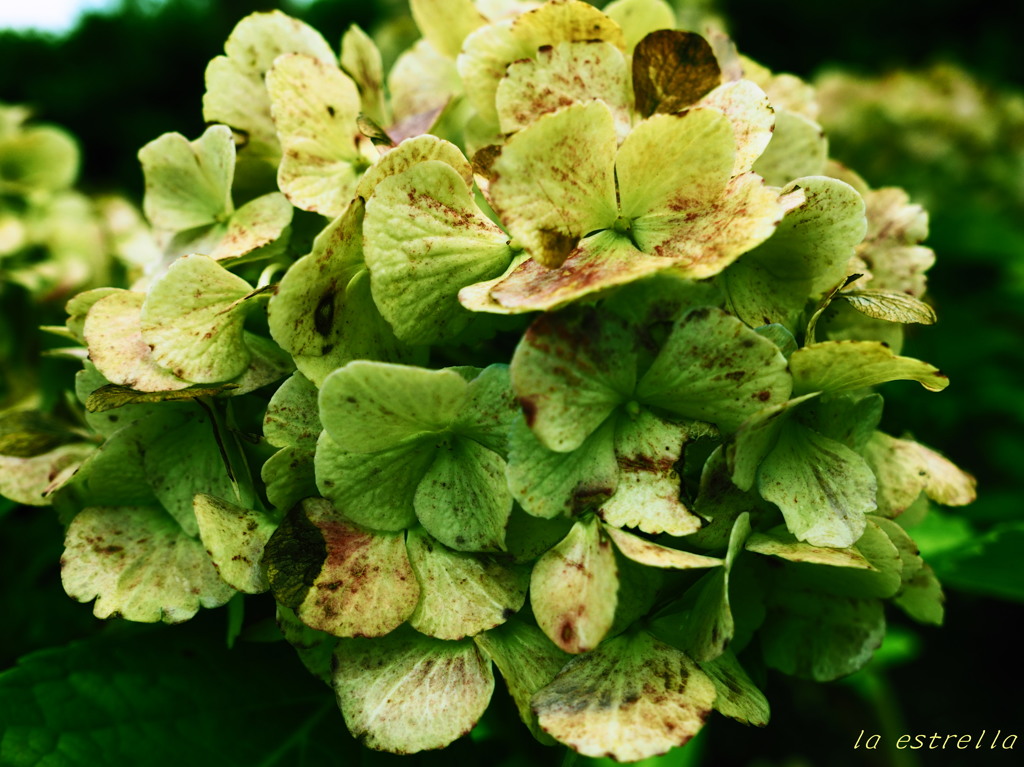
104 702
338 577
820 636
647 450
671 70
713 368
640 17
807 254
235 91
554 181
192 320
574 588
376 490
463 499
563 74
837 366
822 487
138 563
527 660
631 698
736 696
461 594
424 240
890 306
113 333
549 484
570 372
315 106
989 564
235 538
323 313
406 692
369 406
188 184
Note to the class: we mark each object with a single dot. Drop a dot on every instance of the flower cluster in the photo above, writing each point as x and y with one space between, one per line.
555 351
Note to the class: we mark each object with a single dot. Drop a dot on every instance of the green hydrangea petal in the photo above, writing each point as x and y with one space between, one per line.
638 18
714 368
820 636
528 661
289 476
461 594
425 239
361 60
369 406
554 181
632 698
737 697
235 91
293 415
314 648
751 116
550 484
655 555
647 449
570 372
779 542
410 153
490 409
323 313
488 51
39 157
338 577
136 562
798 148
838 366
563 74
315 106
192 320
702 237
375 490
255 225
806 255
823 488
574 588
601 261
235 538
28 480
188 184
463 499
445 24
407 692
422 83
113 333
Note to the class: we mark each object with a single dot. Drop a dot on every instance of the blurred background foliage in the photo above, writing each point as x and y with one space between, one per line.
954 137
